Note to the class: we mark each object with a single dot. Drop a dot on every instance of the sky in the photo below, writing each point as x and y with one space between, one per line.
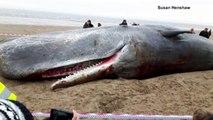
200 12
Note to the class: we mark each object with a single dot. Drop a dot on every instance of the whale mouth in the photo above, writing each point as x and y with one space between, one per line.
70 70
82 72
63 71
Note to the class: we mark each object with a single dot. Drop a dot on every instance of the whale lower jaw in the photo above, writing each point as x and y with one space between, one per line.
88 74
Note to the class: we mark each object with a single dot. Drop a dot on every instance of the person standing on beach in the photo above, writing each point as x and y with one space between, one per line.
205 33
192 30
88 24
123 23
99 24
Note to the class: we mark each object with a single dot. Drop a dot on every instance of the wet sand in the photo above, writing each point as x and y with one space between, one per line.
30 29
175 94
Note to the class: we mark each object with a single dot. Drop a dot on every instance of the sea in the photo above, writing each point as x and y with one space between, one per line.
26 17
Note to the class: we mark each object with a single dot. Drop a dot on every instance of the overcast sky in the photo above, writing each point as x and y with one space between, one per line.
201 11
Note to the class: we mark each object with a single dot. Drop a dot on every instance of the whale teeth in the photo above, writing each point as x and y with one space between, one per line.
69 71
80 69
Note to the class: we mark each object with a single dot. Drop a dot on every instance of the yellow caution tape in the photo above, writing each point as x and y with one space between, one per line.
5 93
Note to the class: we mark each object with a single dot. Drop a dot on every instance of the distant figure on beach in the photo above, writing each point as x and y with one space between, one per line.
205 33
88 24
134 24
192 30
202 114
123 22
99 24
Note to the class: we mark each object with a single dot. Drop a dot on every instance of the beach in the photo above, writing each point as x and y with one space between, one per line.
174 94
31 29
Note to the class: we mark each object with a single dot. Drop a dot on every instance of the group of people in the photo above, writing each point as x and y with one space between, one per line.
88 24
204 33
14 110
124 22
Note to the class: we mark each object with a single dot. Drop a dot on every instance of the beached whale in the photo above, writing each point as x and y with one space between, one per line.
88 54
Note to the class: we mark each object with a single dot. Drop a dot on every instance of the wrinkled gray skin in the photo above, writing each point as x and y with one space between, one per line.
144 50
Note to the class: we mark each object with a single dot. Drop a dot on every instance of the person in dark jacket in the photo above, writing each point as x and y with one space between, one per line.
123 23
88 24
205 33
99 24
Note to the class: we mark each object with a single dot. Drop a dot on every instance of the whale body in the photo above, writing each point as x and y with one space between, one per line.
79 56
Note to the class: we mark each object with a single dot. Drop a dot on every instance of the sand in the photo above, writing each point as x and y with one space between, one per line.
30 29
174 94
